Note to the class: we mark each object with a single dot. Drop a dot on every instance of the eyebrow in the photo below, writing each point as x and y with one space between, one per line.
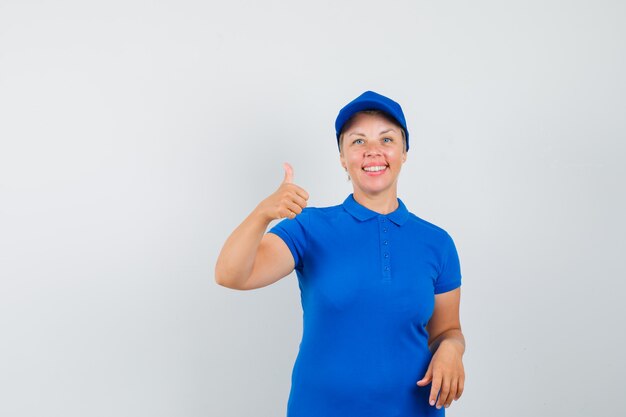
381 133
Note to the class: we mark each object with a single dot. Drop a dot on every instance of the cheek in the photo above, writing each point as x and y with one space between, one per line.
350 159
394 155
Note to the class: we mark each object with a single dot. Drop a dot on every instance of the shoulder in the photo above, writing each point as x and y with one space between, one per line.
425 227
312 215
322 220
315 213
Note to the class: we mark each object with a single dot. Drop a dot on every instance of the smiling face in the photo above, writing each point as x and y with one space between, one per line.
372 151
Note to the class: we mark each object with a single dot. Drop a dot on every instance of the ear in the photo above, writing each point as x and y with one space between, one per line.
342 160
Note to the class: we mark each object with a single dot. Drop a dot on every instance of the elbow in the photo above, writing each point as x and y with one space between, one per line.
221 278
225 279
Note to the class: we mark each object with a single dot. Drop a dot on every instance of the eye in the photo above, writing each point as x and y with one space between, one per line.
357 140
388 140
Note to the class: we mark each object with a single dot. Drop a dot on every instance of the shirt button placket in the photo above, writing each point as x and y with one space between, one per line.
385 248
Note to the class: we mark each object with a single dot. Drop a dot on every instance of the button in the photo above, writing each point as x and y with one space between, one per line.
385 242
386 268
382 220
385 229
386 255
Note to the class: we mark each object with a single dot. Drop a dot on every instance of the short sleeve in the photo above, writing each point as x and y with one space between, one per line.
450 274
293 233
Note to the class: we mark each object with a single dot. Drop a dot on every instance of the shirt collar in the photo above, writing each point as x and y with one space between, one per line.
398 216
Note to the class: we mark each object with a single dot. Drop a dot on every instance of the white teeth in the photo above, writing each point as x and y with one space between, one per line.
375 169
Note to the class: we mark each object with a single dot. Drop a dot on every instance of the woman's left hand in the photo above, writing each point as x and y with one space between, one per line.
446 373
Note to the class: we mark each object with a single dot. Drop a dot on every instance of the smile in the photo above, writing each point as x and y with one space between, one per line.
375 168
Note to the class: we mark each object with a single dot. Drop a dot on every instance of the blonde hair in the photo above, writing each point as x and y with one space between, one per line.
372 112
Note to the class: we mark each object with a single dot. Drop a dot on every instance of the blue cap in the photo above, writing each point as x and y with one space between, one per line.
370 100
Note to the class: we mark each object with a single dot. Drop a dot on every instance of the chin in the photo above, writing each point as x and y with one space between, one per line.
372 190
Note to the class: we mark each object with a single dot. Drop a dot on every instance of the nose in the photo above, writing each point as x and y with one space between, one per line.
373 148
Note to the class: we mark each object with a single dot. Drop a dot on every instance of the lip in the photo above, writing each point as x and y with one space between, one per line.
375 173
373 164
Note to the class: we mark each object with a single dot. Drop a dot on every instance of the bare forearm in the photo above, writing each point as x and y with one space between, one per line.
452 336
237 258
235 261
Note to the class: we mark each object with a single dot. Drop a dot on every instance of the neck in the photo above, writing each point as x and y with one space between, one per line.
383 203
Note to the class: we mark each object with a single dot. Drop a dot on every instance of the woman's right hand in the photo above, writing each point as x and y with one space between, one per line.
252 258
287 201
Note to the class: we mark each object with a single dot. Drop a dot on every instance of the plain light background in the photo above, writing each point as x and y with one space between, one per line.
136 135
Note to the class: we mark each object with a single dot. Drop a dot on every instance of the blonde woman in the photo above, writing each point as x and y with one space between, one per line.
380 287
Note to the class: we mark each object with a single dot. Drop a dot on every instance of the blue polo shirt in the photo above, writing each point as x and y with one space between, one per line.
367 284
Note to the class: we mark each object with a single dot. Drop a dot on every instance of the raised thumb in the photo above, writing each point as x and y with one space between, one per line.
288 173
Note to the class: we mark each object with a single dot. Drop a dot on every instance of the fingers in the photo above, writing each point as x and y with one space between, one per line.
285 212
292 207
287 201
298 202
447 388
427 377
460 387
299 191
434 390
291 202
451 394
294 198
447 376
302 193
443 393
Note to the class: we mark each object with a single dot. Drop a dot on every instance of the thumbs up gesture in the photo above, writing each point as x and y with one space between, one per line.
287 201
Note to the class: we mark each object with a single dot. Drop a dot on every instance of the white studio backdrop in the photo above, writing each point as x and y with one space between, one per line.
136 135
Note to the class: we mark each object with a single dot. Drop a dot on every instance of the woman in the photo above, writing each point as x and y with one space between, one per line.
380 287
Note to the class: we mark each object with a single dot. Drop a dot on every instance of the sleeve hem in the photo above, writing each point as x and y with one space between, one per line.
448 287
285 237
